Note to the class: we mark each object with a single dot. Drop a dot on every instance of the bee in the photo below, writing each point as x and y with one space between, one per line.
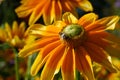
64 36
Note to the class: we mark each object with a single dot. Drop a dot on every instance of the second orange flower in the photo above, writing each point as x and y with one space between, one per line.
51 10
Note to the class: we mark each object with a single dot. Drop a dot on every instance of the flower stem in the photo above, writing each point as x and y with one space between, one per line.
78 76
28 77
16 64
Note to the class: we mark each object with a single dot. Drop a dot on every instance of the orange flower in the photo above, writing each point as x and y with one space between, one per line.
50 9
73 44
15 36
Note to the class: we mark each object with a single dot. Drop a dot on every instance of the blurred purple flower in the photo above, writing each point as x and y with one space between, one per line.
117 4
11 62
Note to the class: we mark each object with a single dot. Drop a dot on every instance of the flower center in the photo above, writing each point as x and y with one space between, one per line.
72 34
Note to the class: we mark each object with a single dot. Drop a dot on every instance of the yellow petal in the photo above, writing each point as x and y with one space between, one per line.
37 12
17 42
8 30
15 28
21 30
109 22
52 62
69 18
68 6
87 19
99 55
57 10
33 27
31 2
43 33
3 35
42 57
29 49
68 66
30 39
23 11
83 63
41 30
85 5
50 28
59 26
26 8
47 13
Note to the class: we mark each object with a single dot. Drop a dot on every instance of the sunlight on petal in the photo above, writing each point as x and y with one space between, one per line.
69 18
85 5
110 22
